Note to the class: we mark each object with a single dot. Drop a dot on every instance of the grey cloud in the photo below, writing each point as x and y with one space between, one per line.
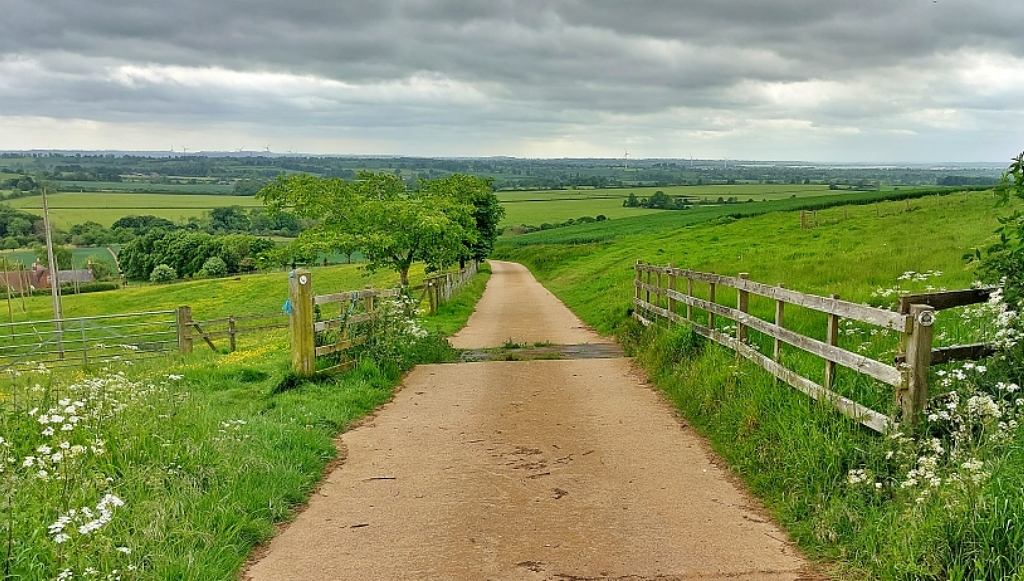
545 66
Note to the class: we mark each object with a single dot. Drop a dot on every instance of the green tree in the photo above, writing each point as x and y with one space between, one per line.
393 225
102 267
61 253
214 267
659 200
140 225
487 209
229 219
1004 260
162 273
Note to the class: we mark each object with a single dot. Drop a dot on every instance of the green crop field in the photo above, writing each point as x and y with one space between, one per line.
80 255
744 192
805 460
537 207
69 208
202 186
555 210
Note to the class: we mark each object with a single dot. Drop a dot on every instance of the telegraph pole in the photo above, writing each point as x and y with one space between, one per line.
58 316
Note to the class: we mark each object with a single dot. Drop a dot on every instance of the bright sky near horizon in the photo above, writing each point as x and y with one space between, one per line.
818 80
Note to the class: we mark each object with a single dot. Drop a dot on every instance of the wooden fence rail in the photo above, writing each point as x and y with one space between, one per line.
908 375
440 288
309 323
230 327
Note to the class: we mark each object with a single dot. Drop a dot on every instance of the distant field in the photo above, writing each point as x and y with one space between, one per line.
551 206
69 208
145 187
537 213
527 207
742 191
81 255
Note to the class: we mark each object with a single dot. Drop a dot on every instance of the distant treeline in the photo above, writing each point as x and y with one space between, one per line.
247 172
20 229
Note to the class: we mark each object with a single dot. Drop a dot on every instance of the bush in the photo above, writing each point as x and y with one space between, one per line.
103 268
214 267
162 274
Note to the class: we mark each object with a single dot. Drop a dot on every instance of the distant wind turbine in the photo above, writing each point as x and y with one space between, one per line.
625 160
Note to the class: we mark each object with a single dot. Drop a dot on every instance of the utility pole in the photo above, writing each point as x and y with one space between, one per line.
58 316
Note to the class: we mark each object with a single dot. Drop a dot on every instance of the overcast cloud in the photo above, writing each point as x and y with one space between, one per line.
859 80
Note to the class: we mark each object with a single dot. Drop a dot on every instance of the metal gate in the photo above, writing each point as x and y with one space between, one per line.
88 340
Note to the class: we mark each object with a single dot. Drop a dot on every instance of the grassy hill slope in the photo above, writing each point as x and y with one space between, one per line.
804 459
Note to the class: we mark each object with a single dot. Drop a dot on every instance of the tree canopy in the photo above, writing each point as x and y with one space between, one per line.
439 223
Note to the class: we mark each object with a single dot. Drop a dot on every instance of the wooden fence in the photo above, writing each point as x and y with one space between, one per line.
315 332
440 288
915 319
354 308
228 327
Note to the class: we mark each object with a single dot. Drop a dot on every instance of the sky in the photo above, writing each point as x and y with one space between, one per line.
882 81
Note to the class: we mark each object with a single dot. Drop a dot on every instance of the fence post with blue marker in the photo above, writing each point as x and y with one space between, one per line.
300 299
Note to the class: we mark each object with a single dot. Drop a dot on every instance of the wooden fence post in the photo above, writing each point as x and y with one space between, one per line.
671 286
368 302
647 291
658 296
184 330
636 283
832 338
231 334
300 296
913 397
742 305
711 299
780 317
689 291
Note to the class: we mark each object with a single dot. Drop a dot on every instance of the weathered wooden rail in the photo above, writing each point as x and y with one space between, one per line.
354 308
230 327
440 288
310 324
908 375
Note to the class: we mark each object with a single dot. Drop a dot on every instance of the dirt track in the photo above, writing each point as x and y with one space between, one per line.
555 470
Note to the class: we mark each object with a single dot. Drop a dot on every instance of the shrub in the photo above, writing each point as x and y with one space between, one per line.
162 274
214 267
103 268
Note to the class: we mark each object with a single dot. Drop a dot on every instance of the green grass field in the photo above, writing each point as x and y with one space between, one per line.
793 453
551 206
555 210
209 299
68 208
744 192
203 186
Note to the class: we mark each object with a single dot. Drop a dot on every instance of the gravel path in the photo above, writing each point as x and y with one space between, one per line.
534 470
